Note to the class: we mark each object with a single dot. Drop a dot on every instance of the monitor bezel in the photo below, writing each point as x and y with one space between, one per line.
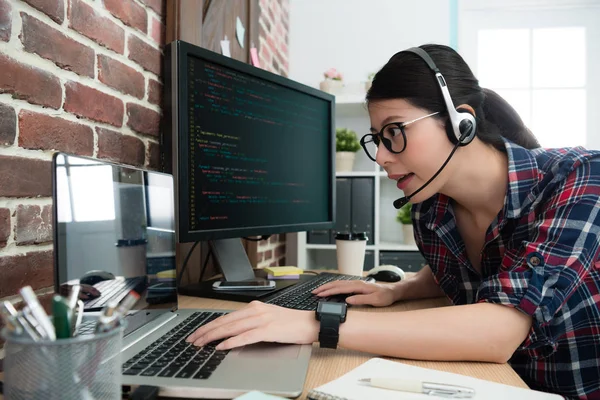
180 52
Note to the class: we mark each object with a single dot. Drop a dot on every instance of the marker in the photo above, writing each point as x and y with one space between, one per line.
62 315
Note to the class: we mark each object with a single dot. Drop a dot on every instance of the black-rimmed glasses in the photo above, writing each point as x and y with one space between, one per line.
392 136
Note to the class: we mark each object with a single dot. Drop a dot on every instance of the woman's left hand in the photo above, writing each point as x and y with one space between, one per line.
259 322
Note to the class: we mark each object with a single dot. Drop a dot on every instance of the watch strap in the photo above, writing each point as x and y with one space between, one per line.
329 334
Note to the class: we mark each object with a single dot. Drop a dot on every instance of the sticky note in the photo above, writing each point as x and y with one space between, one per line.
285 270
225 47
254 57
240 31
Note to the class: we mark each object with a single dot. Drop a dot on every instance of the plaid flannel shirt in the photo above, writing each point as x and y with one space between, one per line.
541 255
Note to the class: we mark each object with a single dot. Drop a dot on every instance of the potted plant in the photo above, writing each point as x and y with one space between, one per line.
404 218
332 82
346 146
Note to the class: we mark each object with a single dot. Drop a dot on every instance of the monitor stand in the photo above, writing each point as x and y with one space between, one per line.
230 256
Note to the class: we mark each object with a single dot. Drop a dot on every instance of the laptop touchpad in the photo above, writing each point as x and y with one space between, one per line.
270 350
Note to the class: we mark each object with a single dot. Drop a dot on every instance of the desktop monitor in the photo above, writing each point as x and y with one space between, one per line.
252 153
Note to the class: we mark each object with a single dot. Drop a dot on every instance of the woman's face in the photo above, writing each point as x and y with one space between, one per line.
427 147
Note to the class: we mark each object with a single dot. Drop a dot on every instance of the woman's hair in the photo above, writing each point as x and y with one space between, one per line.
406 76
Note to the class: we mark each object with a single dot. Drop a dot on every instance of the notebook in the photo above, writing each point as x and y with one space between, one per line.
347 386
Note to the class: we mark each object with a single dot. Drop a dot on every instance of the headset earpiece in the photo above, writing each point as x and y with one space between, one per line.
466 126
461 126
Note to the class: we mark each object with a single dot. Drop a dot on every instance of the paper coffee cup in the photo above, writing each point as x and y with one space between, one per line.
350 251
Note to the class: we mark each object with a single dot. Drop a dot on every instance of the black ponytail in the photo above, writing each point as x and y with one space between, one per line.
406 76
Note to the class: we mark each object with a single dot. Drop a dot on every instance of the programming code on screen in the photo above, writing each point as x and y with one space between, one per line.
259 152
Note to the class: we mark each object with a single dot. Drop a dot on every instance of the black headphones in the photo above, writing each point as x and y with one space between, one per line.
462 127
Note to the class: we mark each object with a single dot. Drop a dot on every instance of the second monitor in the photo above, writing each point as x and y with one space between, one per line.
253 153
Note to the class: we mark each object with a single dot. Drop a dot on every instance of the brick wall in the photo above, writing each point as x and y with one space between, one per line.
273 36
79 76
84 77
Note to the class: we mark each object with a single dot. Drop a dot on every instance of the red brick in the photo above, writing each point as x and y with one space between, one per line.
34 225
157 32
121 148
29 83
145 55
4 226
143 120
55 9
42 132
8 125
130 12
154 156
282 238
157 5
155 92
5 20
121 77
49 43
93 104
24 177
273 263
33 268
268 255
84 19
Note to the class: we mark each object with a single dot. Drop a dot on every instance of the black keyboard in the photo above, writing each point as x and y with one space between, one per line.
114 289
299 296
172 356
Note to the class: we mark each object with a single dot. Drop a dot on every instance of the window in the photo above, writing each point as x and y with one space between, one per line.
90 188
541 73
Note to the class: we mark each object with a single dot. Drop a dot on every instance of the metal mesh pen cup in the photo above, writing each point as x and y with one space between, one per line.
86 367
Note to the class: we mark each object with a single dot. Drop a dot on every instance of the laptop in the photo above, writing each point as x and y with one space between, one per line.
114 225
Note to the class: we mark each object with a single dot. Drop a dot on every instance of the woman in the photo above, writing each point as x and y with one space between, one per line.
510 231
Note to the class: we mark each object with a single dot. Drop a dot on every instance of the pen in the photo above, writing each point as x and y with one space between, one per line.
37 311
415 386
20 322
127 303
74 296
28 319
77 318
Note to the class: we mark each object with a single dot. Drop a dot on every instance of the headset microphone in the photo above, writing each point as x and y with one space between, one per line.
461 128
398 203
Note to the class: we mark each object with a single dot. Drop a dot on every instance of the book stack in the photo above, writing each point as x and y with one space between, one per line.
285 272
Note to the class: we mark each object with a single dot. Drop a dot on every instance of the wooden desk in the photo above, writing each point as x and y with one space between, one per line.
327 365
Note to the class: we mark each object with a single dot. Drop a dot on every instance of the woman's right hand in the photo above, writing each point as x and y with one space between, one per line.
364 293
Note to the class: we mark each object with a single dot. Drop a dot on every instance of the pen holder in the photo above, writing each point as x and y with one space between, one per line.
86 367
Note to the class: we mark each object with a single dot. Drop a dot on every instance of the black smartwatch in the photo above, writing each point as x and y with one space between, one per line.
331 315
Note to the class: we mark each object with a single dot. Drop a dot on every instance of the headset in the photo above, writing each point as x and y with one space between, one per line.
461 128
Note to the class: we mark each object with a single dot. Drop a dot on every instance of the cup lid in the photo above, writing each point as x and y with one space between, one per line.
351 236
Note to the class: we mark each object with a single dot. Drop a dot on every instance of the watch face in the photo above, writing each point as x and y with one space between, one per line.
332 308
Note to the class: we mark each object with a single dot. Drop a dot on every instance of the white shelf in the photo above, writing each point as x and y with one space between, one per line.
397 247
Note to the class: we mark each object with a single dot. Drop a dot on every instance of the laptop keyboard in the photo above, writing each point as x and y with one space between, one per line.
172 356
299 296
114 289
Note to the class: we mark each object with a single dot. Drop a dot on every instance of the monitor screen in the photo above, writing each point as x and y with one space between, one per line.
254 150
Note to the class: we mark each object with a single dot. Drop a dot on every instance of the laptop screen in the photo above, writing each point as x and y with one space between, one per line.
114 232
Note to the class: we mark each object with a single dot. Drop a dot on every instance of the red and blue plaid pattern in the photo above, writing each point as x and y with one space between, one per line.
541 256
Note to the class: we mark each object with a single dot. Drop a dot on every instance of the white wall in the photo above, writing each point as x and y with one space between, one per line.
359 36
